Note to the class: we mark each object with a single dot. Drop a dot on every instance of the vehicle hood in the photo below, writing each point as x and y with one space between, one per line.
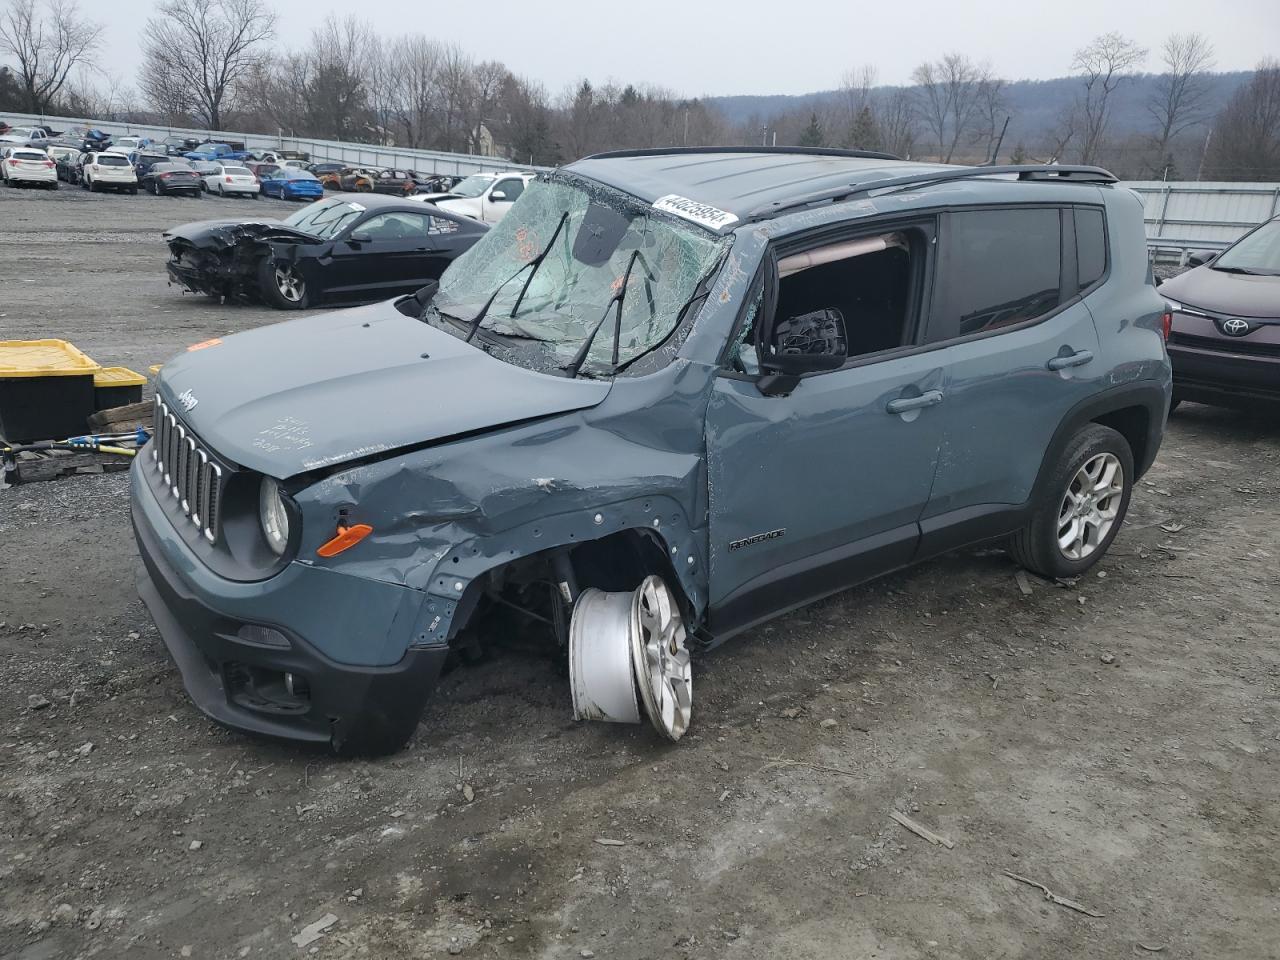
220 233
306 394
467 206
1235 293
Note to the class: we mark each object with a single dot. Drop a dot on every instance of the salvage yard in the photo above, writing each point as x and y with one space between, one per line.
1115 740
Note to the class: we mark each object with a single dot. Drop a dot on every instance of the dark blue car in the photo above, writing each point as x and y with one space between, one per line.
290 184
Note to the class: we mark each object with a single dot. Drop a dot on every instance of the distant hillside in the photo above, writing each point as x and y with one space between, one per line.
1035 105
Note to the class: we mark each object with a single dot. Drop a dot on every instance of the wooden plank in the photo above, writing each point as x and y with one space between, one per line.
921 831
129 413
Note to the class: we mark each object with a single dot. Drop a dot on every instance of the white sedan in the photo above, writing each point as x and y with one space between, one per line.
28 165
232 178
484 196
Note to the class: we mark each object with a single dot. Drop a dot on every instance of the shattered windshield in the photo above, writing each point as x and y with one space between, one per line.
604 234
472 186
325 218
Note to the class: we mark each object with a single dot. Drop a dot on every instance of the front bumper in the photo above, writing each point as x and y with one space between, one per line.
1225 371
240 681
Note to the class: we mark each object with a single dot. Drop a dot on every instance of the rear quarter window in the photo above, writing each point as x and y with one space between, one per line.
1091 246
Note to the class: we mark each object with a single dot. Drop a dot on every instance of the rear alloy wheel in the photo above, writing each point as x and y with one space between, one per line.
1081 506
621 643
155 187
283 285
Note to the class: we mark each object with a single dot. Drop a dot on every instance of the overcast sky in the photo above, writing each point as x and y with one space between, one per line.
763 46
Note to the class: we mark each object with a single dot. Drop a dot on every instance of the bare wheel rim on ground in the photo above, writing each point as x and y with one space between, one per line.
661 659
1090 506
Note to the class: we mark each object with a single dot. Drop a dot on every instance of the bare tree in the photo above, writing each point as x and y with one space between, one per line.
949 99
856 112
1181 94
486 82
201 50
1246 133
1104 64
416 63
47 41
898 123
993 110
337 91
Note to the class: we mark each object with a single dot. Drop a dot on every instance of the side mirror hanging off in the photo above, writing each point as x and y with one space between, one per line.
809 343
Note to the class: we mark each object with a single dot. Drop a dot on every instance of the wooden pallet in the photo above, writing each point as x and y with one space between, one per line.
34 465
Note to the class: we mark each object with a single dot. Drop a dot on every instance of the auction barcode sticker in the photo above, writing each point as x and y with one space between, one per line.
700 213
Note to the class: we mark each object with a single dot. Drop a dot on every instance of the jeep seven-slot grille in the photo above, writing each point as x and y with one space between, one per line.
188 471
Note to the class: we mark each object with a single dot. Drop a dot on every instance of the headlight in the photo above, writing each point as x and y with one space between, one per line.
274 516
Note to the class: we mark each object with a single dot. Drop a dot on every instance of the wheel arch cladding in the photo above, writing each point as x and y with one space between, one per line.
1134 410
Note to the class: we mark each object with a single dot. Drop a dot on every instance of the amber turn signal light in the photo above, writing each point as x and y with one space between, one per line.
347 538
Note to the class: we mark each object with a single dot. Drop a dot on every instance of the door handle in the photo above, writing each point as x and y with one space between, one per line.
1077 359
903 404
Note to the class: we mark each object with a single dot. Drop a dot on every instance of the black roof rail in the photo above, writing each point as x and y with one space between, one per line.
1044 172
804 151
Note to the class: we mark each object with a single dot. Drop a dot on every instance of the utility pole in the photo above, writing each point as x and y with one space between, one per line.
1204 153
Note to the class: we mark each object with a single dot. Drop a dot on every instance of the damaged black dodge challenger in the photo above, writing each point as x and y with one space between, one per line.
340 248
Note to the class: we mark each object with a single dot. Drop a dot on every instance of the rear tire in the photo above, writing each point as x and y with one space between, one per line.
282 286
1080 507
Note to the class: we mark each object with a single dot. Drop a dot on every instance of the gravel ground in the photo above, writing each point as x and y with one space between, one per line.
1114 740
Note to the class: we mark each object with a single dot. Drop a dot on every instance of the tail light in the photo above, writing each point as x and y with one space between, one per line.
228 179
49 163
1166 323
165 176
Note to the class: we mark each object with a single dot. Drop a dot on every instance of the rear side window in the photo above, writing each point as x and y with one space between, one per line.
1091 246
1006 268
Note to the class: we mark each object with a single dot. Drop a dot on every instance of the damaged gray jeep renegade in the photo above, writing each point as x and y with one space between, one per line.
671 395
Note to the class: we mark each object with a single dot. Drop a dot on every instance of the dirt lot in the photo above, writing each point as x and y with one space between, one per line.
1117 740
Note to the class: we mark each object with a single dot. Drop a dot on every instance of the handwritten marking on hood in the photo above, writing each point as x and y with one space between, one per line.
287 433
366 451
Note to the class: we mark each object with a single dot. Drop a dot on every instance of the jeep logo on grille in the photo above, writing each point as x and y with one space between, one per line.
188 400
1235 327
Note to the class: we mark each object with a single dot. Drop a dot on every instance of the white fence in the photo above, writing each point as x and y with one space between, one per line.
356 154
1191 215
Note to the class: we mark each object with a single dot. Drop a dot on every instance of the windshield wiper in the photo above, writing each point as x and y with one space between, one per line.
535 262
580 357
1245 270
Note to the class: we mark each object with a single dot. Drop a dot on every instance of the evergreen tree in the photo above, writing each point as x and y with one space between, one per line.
864 132
813 135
